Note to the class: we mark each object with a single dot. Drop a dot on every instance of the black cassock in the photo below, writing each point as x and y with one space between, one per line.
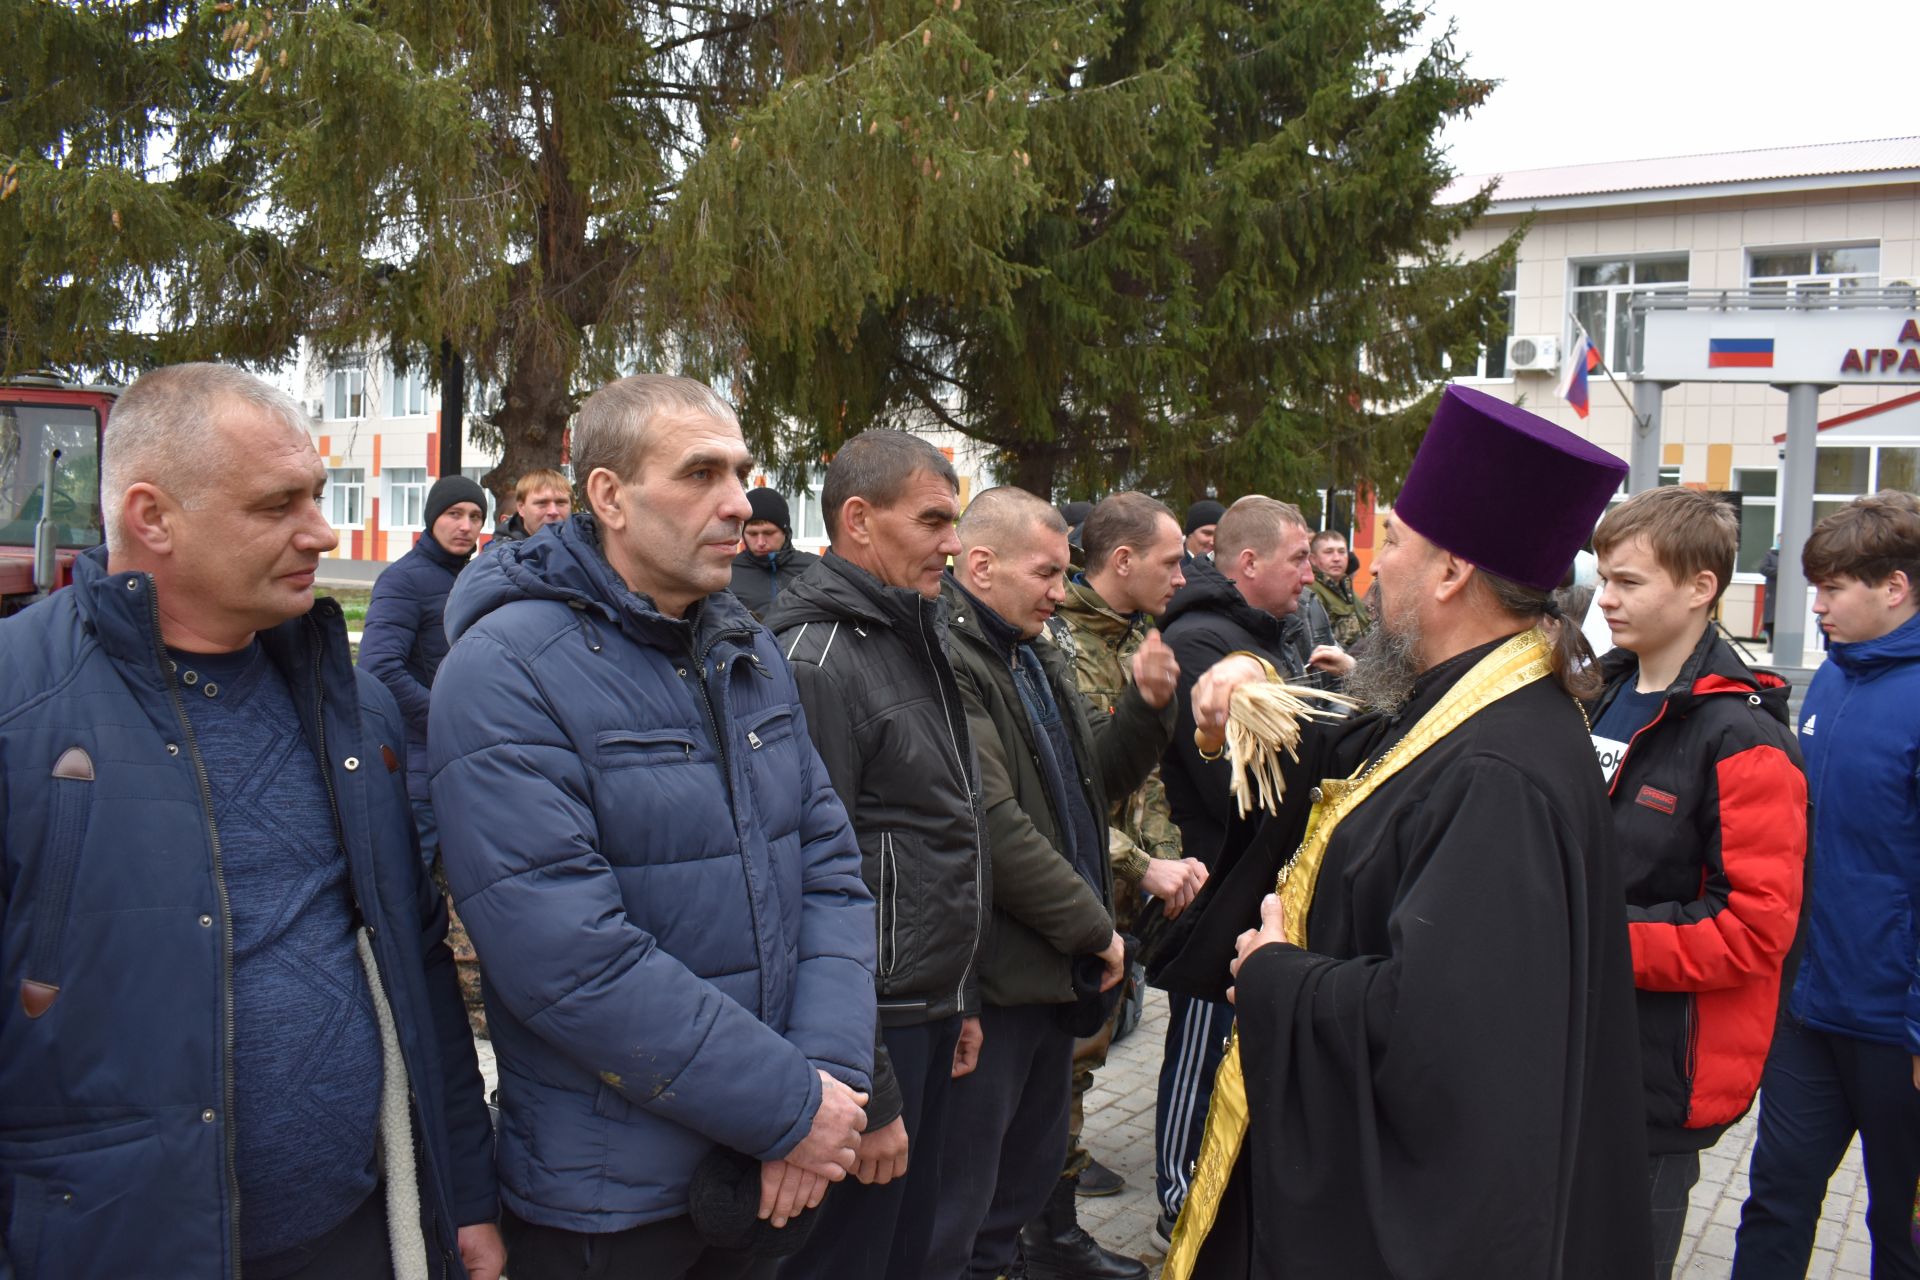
1447 1084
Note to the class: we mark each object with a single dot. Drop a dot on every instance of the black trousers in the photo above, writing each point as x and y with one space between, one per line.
865 1233
1669 1180
1818 1090
670 1250
357 1249
1007 1135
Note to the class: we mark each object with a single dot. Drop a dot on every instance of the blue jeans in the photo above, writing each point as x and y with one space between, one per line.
1818 1091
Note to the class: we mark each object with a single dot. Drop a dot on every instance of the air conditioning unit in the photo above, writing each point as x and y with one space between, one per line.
316 409
1539 354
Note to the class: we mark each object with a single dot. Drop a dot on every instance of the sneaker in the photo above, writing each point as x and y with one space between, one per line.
1163 1226
1097 1180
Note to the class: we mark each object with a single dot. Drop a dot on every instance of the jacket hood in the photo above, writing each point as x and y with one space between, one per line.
1902 644
1210 591
842 591
568 567
1712 670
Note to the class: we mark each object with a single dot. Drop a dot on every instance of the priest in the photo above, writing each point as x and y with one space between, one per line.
1435 1070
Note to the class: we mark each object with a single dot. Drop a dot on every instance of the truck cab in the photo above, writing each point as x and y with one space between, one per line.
50 434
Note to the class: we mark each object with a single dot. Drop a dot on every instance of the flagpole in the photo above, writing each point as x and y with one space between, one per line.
1606 369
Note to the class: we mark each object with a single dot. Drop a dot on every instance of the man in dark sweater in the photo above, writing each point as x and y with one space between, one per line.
212 897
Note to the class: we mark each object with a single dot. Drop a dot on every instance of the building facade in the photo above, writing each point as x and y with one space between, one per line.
1815 221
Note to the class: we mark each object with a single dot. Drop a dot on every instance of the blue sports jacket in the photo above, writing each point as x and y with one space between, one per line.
116 1040
658 877
1860 734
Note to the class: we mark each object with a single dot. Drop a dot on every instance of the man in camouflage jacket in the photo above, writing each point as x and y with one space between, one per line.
1133 547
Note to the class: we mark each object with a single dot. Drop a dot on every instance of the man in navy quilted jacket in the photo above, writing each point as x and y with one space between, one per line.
231 1044
676 944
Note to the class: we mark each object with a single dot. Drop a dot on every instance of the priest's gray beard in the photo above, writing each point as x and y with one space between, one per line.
1384 662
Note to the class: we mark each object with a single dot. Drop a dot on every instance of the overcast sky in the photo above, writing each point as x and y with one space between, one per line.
1627 79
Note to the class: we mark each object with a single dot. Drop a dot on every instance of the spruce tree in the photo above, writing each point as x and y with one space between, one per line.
1238 279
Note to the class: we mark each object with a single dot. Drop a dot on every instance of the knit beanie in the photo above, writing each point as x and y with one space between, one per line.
449 490
768 505
1203 513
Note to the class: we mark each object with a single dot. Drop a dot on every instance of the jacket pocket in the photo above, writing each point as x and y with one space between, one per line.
76 1192
887 899
626 748
70 814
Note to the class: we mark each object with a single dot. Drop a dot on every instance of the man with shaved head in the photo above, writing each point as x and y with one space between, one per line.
1047 768
210 894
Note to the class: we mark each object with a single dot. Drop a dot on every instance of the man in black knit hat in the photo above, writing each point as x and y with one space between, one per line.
403 639
768 561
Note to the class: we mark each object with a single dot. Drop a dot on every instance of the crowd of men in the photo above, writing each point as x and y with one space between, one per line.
808 891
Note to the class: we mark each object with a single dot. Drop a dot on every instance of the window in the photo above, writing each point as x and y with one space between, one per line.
1602 292
409 394
1759 490
346 497
1845 472
1815 271
1493 355
407 497
479 475
346 394
812 522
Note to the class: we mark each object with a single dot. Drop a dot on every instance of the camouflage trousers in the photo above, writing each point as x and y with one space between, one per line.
466 961
1089 1055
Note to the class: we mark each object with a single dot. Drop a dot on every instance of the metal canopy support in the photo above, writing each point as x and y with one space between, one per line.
1643 456
1796 522
453 398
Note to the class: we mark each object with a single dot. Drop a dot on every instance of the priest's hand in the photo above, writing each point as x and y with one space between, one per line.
1273 928
1330 657
1156 673
1214 691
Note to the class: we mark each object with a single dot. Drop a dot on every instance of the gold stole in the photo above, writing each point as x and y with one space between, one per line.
1519 662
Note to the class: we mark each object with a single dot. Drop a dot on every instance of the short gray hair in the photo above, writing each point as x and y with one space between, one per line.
615 426
161 432
1255 521
877 465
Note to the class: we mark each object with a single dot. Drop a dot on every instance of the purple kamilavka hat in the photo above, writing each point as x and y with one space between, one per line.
1505 489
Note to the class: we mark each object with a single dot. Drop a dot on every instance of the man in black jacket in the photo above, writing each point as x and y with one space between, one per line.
866 634
1046 770
1246 600
768 562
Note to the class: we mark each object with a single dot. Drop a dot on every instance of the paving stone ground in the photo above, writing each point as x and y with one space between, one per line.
1120 1135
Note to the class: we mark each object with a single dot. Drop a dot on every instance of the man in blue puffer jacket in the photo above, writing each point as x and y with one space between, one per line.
676 943
1847 1058
228 1012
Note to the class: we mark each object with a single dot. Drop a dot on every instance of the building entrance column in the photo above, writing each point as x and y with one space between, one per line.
1796 522
1643 454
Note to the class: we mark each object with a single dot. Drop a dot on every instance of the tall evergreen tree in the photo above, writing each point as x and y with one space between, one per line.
1251 287
558 188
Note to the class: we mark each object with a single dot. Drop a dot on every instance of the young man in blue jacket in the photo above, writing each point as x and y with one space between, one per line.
404 639
231 1043
1847 1059
1709 809
676 944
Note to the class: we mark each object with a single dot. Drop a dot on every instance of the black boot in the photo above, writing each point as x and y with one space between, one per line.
1057 1248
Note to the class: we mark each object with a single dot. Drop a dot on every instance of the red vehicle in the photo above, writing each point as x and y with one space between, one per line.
49 444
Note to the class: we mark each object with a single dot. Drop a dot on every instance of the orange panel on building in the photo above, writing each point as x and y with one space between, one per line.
376 453
433 454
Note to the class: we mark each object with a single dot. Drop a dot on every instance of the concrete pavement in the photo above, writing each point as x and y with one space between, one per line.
1120 1135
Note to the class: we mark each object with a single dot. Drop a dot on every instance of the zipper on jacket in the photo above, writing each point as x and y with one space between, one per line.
226 928
1621 771
973 806
700 656
1693 1051
889 905
423 1151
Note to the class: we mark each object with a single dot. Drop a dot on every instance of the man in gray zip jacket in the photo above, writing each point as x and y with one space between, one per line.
865 631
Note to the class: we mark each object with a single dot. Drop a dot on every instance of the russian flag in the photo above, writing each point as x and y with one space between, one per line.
1582 360
1739 353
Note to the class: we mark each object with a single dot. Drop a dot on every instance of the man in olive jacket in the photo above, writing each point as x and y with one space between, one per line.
1045 775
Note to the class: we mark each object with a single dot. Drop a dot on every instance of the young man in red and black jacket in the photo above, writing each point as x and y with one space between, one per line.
1709 802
